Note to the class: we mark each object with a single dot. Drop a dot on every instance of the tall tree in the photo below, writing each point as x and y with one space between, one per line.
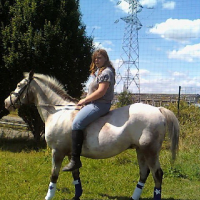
47 36
4 72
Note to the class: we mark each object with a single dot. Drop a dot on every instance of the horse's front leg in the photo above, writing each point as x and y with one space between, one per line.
57 158
77 183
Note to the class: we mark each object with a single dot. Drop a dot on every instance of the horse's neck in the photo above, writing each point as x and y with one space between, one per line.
46 101
47 109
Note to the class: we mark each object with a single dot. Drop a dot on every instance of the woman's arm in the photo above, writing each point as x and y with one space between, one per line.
101 91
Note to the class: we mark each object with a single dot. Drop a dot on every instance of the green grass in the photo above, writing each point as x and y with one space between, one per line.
25 173
25 168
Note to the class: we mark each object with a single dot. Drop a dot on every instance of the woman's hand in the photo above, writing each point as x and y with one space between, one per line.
96 94
81 102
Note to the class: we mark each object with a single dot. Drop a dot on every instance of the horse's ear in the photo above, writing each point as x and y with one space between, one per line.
31 73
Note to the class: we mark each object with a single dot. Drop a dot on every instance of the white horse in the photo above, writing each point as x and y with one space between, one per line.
138 126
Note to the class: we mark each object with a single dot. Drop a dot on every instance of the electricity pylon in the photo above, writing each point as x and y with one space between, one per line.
130 46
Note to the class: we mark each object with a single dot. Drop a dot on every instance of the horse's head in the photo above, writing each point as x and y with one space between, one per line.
21 94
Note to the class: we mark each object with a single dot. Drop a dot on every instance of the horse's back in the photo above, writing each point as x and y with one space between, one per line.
133 125
143 109
133 114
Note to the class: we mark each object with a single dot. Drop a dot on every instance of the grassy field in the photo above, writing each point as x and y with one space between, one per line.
25 170
25 173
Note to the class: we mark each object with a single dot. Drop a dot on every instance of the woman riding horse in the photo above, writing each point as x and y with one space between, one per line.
138 126
96 104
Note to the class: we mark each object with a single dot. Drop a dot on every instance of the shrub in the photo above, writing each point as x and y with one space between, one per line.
125 98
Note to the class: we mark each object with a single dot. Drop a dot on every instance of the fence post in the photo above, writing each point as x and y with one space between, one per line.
179 95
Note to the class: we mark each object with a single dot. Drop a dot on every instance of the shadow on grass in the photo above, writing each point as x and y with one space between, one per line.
128 198
21 144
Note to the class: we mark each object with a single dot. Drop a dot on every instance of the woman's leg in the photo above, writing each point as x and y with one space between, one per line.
88 114
85 116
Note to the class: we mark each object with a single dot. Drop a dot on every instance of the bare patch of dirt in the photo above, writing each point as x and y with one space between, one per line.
13 127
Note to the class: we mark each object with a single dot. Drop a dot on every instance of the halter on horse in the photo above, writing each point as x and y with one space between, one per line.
139 126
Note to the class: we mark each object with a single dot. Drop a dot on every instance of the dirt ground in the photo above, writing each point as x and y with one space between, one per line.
17 128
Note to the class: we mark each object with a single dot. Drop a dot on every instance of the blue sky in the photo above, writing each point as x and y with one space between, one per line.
169 41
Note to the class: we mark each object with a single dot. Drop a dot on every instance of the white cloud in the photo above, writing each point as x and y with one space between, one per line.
124 6
149 3
189 53
170 5
178 74
180 30
116 63
142 72
106 44
153 82
169 85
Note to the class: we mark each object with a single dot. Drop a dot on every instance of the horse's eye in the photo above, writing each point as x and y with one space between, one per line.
19 85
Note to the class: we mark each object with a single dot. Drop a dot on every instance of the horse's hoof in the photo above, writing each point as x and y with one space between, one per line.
76 198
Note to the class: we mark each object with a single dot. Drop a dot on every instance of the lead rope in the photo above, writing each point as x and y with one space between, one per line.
65 107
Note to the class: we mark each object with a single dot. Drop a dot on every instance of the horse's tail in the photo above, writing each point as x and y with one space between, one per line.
173 129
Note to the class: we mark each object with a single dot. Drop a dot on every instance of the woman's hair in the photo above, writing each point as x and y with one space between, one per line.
93 67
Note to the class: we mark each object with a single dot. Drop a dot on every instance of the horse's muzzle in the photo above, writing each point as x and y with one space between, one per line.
10 104
7 104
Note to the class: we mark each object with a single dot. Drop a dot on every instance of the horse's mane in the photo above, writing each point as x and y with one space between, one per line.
54 85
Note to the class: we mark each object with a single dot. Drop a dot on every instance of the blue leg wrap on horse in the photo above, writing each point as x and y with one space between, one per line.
78 188
138 191
157 193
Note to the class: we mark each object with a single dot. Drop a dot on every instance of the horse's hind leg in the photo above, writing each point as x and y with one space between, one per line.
57 158
157 175
144 172
77 184
154 165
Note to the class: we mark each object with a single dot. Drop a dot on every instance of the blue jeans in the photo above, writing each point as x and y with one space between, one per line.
89 113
